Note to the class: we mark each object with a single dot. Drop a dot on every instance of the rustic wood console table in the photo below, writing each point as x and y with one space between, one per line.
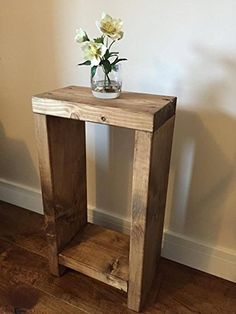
126 262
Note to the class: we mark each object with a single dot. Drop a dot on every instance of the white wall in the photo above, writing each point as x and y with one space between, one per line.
184 48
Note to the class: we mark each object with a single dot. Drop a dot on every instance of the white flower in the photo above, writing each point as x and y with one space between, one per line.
81 36
93 52
111 27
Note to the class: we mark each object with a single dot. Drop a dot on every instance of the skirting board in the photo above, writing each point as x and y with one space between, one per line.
177 247
21 195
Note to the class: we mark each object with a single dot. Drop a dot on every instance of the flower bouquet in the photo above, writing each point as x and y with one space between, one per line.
105 64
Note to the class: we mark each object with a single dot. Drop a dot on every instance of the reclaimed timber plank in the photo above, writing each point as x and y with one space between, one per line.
140 185
150 180
99 253
131 110
62 164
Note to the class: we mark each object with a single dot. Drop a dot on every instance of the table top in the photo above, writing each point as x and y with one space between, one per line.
138 111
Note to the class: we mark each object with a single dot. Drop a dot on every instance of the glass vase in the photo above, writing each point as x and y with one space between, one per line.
106 86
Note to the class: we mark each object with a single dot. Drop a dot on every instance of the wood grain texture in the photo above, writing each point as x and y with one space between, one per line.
176 288
150 180
140 185
61 148
62 163
165 113
23 228
22 298
99 253
20 267
131 110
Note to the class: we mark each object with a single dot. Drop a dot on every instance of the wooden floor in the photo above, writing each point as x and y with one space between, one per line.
27 287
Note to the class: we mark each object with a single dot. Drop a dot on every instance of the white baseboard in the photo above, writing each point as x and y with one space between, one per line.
217 261
21 195
107 220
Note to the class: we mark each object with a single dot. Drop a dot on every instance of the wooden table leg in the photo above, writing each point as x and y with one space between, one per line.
152 153
62 164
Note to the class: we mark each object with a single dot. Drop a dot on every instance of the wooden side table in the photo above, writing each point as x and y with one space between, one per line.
126 262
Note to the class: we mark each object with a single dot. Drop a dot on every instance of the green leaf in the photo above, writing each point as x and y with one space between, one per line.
86 38
93 70
118 60
106 66
99 40
114 54
114 67
107 54
88 62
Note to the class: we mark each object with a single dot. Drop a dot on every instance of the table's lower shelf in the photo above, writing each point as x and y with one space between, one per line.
99 253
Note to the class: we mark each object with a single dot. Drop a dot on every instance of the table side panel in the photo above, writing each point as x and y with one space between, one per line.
157 193
150 180
47 188
63 178
141 167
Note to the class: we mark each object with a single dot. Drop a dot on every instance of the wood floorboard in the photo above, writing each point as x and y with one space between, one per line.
24 275
22 298
23 228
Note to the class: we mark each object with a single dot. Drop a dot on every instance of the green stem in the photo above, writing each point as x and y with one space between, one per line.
111 44
108 79
105 81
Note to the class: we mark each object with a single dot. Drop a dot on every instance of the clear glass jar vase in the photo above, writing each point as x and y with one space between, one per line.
106 86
